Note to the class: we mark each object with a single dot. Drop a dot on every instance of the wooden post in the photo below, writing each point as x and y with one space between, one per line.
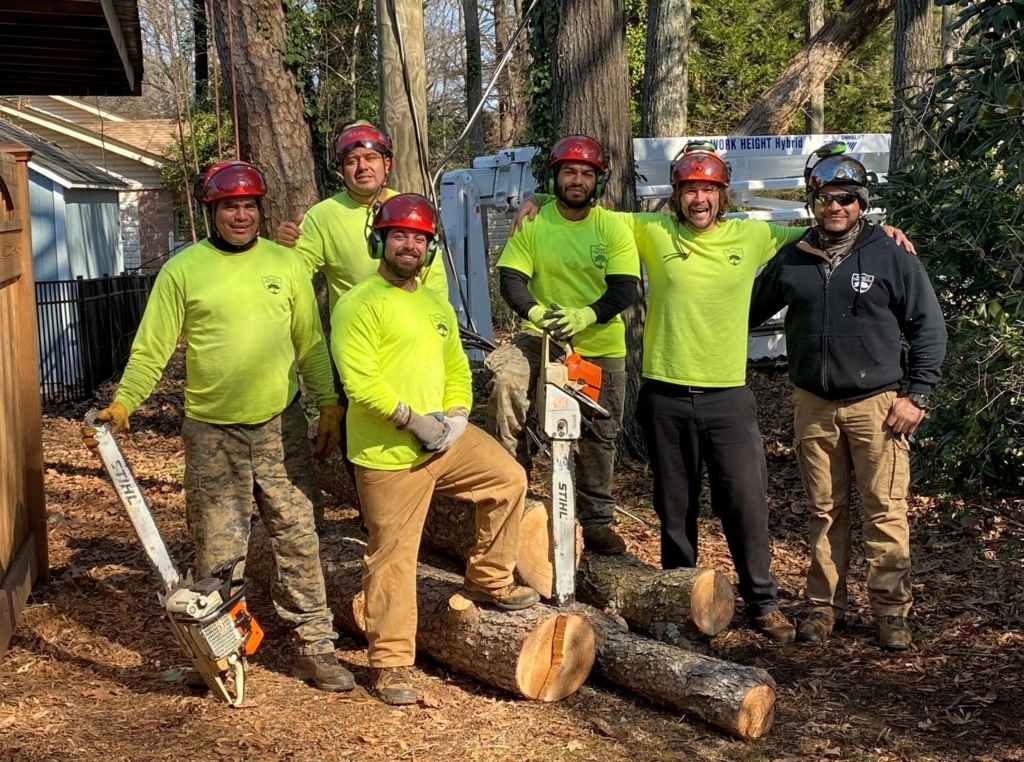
403 91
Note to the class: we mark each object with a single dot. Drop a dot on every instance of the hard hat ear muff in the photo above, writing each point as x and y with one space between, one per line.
602 177
375 243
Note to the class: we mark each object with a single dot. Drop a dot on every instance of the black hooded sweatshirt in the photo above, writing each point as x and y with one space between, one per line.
844 327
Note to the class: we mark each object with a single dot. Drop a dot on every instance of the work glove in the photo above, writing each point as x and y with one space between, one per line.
116 415
536 316
328 431
566 322
429 429
457 420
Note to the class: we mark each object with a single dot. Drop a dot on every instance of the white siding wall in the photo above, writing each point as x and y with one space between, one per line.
131 237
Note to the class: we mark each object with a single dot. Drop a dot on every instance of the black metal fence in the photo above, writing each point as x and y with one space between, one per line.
86 328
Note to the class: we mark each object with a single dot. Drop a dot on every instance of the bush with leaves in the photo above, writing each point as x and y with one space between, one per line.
962 202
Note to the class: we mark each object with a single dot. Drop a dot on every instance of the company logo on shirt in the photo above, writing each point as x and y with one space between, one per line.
599 255
440 324
861 282
735 256
272 283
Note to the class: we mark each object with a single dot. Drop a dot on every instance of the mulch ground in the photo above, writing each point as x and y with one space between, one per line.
84 678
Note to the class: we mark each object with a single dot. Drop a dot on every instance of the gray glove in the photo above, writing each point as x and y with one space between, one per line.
431 429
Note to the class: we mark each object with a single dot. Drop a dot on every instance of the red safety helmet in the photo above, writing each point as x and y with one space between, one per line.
406 210
230 179
579 148
361 134
699 161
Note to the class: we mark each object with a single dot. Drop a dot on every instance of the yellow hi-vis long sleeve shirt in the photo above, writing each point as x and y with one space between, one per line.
394 346
249 320
333 239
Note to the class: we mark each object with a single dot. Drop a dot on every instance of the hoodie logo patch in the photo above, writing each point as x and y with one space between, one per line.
272 284
861 282
440 324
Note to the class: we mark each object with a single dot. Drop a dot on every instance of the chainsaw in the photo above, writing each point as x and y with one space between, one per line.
561 388
208 618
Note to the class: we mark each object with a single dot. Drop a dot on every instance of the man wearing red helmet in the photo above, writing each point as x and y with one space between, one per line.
694 407
247 311
571 271
331 236
396 345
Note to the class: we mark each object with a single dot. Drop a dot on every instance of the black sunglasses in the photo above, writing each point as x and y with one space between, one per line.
844 199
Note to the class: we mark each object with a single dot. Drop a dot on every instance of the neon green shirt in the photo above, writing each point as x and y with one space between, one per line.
394 346
246 318
333 239
567 261
699 295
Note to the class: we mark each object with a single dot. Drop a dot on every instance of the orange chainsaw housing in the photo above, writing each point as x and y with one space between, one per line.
585 374
246 622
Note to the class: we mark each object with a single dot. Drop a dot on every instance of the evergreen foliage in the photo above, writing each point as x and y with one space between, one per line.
962 202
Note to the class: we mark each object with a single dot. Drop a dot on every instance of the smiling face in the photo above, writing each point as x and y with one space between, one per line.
405 250
841 211
575 184
700 203
237 219
364 171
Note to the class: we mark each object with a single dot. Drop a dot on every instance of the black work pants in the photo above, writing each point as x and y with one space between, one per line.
686 428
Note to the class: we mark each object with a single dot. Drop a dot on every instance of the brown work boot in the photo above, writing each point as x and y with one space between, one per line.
508 598
818 626
324 671
603 540
774 625
893 633
391 685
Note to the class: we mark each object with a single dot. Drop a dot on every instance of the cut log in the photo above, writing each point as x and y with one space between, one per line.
540 653
682 607
737 699
677 606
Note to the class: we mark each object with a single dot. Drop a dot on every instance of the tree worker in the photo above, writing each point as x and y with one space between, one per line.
331 236
853 296
694 407
396 345
248 314
572 271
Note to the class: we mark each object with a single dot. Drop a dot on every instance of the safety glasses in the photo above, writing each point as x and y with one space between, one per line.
844 199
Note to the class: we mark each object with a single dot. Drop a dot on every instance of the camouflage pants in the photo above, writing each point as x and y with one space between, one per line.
226 468
512 389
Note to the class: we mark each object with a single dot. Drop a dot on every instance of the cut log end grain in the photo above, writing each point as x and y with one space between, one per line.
712 603
556 658
756 713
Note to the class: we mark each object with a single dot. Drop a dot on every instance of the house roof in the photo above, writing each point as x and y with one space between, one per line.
70 47
151 135
67 170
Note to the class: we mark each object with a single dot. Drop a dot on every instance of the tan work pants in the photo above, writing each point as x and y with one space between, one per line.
834 439
395 504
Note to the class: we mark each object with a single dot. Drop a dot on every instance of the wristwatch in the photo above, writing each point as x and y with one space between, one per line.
919 400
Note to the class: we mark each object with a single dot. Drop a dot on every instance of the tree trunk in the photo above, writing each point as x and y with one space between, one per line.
816 103
503 28
200 48
952 39
539 653
274 136
666 72
403 102
773 112
737 699
912 60
590 95
474 75
682 607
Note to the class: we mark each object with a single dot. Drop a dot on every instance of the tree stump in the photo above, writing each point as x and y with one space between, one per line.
737 699
539 653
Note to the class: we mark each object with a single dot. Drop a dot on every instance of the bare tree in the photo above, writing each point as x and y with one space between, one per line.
474 74
816 104
511 113
952 39
274 136
772 113
666 68
913 58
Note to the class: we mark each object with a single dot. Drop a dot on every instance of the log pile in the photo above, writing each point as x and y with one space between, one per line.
546 653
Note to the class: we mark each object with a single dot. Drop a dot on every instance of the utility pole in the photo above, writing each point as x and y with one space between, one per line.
816 103
403 91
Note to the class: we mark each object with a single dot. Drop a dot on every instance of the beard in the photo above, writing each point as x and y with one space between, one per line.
573 203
